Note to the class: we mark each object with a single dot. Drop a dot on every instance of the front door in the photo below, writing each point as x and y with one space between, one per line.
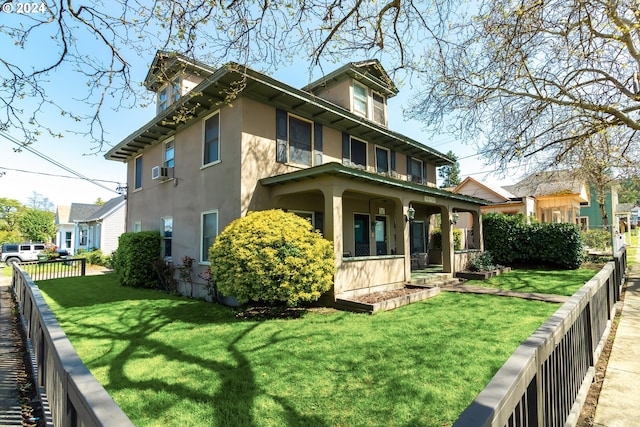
381 235
361 234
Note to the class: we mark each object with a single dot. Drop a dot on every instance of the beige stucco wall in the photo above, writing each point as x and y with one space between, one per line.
339 94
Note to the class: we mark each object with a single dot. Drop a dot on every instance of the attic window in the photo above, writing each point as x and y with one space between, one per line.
360 99
378 108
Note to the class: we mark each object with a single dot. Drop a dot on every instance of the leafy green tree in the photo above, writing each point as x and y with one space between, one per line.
9 212
37 226
629 191
450 174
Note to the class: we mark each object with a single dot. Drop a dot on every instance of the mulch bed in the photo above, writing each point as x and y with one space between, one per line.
375 297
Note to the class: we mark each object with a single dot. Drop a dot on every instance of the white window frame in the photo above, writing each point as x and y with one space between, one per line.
373 108
378 147
357 97
309 215
176 88
202 260
366 151
169 162
411 177
166 238
204 124
163 99
135 172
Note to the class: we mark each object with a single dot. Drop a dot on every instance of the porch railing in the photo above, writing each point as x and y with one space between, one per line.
74 395
545 381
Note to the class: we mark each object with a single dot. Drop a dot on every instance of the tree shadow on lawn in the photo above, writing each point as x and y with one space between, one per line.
232 402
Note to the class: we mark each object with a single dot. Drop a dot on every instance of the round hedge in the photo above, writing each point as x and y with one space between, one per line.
272 256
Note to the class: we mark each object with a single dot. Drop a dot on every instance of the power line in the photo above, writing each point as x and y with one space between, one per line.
55 162
53 175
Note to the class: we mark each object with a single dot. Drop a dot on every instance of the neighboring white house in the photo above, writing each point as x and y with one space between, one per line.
91 226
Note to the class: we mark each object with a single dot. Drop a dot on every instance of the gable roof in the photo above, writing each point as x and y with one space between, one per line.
105 210
80 211
370 73
62 215
501 194
166 64
213 91
552 183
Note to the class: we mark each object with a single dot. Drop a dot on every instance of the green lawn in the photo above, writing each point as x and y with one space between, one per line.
557 282
173 361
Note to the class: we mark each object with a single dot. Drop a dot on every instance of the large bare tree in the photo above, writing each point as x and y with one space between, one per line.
538 78
532 76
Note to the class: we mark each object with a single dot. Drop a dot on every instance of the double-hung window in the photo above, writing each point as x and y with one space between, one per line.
415 170
211 139
176 89
378 109
298 141
382 160
167 236
360 99
137 173
358 153
169 153
163 99
208 231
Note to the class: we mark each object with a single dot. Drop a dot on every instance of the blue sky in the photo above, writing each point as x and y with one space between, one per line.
26 173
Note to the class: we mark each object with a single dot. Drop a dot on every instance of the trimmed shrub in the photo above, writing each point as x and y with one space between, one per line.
273 257
512 241
436 236
597 239
137 253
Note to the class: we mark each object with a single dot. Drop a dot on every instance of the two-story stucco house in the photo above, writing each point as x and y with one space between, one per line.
231 140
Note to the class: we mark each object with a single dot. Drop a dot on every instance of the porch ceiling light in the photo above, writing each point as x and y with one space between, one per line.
411 214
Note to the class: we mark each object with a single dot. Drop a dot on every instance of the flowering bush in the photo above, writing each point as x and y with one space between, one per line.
272 256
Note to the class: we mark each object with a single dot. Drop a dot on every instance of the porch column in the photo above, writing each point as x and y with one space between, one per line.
478 241
333 225
401 213
447 241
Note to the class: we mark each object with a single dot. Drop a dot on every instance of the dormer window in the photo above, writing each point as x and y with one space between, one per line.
169 93
162 99
369 104
360 98
378 109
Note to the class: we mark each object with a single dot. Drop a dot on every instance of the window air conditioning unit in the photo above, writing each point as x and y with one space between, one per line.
159 172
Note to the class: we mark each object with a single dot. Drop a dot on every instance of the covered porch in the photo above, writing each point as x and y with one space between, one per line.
378 224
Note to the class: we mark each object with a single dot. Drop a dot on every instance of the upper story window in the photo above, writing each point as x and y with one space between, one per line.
211 139
298 141
169 153
360 99
382 160
379 115
163 99
176 88
414 170
169 93
369 104
354 151
137 173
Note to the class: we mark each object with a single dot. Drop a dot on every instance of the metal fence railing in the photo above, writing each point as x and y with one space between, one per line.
74 396
56 268
546 379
